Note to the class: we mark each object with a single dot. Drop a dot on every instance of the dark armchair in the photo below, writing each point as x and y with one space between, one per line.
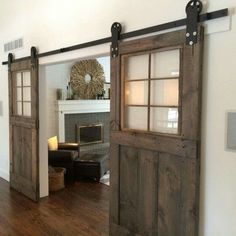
63 155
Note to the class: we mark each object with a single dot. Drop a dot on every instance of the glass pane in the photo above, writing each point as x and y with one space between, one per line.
26 78
136 118
18 94
26 108
164 120
136 67
136 93
165 64
18 79
27 94
165 92
19 108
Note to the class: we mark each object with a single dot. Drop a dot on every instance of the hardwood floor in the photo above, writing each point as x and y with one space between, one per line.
81 209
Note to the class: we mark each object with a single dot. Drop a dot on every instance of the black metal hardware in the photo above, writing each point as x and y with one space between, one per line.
115 37
193 9
149 30
10 60
33 56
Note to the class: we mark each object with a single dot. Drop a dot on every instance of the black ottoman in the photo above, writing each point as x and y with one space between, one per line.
90 165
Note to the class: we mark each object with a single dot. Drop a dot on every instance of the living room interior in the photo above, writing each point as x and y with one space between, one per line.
72 116
83 206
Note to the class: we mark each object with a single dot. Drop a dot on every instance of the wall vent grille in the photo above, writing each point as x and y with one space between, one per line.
13 45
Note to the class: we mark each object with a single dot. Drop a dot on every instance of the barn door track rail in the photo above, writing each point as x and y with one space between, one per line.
194 17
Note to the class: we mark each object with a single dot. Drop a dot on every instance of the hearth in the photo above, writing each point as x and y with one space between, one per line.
90 134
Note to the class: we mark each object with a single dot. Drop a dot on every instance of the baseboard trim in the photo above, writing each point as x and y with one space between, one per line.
4 174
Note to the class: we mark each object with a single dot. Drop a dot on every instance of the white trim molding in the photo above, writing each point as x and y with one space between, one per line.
4 174
77 107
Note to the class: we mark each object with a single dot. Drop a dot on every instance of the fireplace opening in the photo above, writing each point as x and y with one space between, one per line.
89 134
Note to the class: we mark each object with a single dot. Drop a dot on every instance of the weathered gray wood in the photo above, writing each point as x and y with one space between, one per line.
163 41
114 183
192 90
177 194
21 66
161 143
138 190
115 92
24 150
156 176
129 188
118 230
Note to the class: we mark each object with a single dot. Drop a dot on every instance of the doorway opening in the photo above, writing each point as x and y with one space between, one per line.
69 114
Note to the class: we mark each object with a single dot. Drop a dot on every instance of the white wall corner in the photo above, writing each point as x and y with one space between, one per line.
4 174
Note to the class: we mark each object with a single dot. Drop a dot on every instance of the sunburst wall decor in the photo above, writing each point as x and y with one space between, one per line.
87 79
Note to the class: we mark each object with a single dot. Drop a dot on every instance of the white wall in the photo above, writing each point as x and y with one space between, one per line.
57 77
51 24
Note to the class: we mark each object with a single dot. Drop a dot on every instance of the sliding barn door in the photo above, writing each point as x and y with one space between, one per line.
155 136
23 110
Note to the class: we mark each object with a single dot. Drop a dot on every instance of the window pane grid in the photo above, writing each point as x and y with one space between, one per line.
23 94
162 112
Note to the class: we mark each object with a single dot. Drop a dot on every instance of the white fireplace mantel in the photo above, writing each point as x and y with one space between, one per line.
64 107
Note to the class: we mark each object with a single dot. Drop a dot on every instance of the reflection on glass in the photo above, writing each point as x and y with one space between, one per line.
164 120
136 67
18 79
165 92
26 108
27 94
136 93
18 94
19 108
136 118
165 64
26 78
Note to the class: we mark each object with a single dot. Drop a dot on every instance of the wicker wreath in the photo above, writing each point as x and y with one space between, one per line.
87 79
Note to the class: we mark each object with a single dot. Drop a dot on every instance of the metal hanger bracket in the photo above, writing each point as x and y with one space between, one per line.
33 56
116 29
10 60
193 10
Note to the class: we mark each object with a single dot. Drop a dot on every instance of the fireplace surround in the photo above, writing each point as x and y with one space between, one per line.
87 109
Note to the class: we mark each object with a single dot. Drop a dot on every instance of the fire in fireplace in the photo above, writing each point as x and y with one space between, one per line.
89 134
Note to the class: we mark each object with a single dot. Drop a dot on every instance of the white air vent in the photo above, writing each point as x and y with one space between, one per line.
18 43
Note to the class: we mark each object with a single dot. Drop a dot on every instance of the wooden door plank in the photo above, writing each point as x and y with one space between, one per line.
147 193
166 41
177 196
121 231
192 87
16 140
128 188
26 158
114 184
138 190
115 93
160 143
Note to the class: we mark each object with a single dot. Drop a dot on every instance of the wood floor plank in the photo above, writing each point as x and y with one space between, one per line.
81 209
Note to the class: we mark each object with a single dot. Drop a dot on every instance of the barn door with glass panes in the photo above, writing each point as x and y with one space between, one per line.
155 136
23 110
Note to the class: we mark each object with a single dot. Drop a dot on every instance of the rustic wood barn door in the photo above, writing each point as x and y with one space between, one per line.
23 110
155 136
